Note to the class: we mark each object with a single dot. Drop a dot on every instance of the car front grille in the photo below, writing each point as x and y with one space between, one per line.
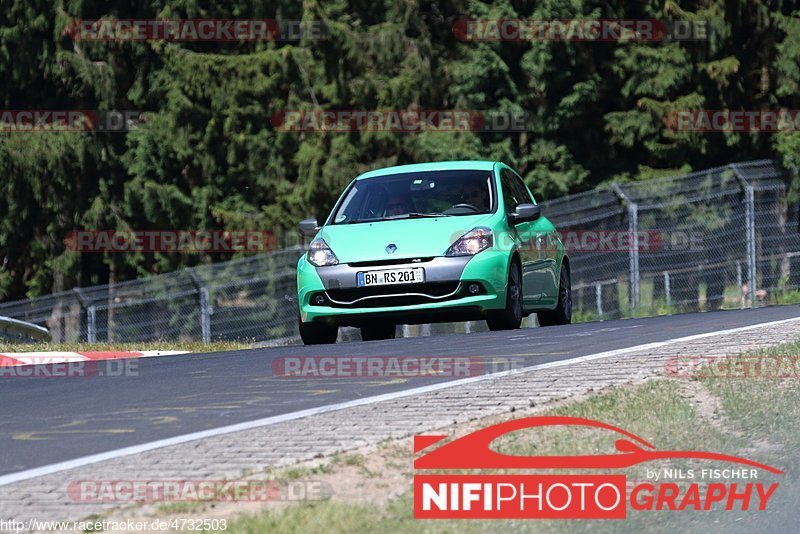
394 295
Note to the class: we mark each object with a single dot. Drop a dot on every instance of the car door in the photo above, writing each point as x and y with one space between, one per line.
547 241
523 236
540 282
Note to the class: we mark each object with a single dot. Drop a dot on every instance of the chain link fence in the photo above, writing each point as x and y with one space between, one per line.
249 298
720 238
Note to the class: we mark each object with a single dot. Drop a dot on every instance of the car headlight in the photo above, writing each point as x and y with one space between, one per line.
320 254
472 242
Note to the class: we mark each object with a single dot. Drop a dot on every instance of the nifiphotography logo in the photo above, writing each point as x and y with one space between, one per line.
573 496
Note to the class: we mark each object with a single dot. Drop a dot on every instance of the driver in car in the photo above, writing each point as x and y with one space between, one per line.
474 194
397 205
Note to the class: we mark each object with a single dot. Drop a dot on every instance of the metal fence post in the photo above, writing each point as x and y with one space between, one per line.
91 323
91 316
633 228
750 232
633 252
667 288
739 282
598 295
205 309
205 315
751 243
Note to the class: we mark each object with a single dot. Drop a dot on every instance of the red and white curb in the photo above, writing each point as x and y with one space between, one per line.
14 359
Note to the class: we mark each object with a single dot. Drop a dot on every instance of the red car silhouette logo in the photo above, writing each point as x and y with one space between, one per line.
473 451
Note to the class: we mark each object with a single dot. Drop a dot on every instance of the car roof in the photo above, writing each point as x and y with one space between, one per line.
466 165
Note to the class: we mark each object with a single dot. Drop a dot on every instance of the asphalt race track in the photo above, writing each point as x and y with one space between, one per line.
49 420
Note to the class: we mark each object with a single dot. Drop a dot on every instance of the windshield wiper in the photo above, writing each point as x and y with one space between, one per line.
412 215
415 215
355 221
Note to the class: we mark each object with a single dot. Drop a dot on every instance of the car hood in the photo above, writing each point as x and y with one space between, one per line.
414 238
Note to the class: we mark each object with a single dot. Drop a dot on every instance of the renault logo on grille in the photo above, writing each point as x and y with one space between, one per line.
390 248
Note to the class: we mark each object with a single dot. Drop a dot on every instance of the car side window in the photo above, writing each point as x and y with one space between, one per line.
514 190
511 196
522 191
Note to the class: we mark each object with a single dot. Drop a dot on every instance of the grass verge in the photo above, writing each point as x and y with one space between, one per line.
757 418
189 346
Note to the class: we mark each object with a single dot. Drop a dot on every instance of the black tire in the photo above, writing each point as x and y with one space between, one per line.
510 317
317 333
378 331
562 314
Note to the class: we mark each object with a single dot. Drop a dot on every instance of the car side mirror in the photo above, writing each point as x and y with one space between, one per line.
525 213
308 227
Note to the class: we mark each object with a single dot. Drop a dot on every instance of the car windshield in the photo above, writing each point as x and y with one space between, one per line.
417 195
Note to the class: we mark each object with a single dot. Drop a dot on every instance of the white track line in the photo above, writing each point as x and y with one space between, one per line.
176 440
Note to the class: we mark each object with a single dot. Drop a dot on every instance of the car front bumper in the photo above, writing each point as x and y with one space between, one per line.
444 296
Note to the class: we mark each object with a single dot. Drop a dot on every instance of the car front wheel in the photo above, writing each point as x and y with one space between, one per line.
317 333
510 317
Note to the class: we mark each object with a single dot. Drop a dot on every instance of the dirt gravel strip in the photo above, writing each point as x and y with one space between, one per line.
233 455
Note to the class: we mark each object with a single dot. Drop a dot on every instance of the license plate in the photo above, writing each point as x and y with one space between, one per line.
392 276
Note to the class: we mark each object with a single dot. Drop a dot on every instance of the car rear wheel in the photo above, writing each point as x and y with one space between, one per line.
510 317
378 331
563 312
317 333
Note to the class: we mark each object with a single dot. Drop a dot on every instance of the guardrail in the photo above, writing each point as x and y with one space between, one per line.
20 331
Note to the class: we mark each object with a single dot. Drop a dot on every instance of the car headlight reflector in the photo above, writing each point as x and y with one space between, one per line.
474 241
320 254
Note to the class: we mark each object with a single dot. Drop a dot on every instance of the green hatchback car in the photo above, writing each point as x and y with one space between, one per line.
431 242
